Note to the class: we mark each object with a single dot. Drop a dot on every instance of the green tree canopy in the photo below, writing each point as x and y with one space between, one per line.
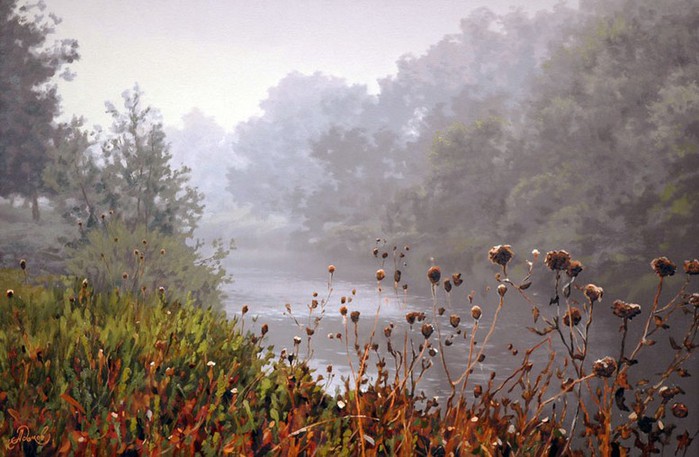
28 98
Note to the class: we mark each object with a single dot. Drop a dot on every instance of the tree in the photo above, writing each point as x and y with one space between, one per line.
28 98
139 182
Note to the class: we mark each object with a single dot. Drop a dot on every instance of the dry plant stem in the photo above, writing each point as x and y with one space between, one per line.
361 370
471 364
439 339
642 340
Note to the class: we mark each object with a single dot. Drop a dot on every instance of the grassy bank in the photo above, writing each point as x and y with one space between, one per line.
113 371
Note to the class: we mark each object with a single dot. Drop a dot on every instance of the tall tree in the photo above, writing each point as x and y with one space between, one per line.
139 182
28 98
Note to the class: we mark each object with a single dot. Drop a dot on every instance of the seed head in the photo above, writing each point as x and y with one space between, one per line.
264 329
574 268
593 292
663 267
427 330
557 260
434 274
245 309
297 340
387 331
354 316
454 320
691 267
10 293
380 274
501 254
343 310
410 317
85 283
124 276
625 310
23 264
331 269
476 312
456 279
502 290
680 410
396 276
573 313
447 285
604 367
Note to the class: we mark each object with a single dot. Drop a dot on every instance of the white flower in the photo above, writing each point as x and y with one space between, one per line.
210 363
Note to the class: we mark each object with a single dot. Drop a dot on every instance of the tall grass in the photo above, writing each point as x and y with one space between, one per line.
125 371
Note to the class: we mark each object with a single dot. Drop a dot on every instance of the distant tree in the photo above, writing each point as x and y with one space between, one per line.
72 175
139 183
28 98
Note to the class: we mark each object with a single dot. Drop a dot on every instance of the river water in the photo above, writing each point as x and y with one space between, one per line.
267 293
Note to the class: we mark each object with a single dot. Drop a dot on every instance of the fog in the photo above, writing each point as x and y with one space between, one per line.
313 133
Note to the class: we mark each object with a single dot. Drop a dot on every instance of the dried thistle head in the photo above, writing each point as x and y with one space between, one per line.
593 293
343 310
23 264
625 310
410 317
447 285
502 290
264 329
434 274
10 293
691 267
575 267
663 267
501 254
354 316
476 312
245 309
454 320
557 260
604 367
456 279
396 276
574 315
427 330
331 269
297 340
380 275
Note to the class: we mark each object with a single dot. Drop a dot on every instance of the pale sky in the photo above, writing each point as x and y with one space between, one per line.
221 56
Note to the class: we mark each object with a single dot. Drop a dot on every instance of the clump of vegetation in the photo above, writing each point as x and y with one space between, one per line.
116 369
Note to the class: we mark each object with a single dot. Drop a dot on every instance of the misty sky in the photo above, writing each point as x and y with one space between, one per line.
222 56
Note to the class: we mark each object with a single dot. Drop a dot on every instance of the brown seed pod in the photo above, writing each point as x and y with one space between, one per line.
625 310
680 410
434 274
447 285
691 267
593 292
574 268
427 330
23 264
456 279
663 267
380 275
476 312
502 290
264 329
396 276
557 260
343 310
354 316
454 320
331 269
501 254
575 314
604 367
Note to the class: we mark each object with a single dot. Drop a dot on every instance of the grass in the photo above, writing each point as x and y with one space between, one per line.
118 371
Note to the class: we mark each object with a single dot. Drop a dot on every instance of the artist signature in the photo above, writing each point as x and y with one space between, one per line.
24 435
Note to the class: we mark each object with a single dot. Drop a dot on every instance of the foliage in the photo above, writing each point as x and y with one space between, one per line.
115 255
92 370
28 99
139 183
